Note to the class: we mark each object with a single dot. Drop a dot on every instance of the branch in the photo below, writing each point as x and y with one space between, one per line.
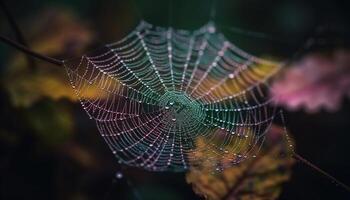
31 53
306 162
18 33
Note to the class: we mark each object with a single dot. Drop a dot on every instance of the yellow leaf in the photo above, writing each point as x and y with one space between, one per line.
58 34
241 80
253 179
26 87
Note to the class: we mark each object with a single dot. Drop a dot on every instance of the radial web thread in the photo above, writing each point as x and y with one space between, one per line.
161 90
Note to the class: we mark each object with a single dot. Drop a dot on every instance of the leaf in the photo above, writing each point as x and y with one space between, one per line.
60 34
25 87
254 179
317 81
241 79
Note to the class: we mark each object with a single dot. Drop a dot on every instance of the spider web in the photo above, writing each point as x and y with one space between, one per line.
162 90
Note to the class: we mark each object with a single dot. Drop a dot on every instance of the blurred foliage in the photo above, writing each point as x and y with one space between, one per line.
80 165
35 90
61 34
318 81
256 74
255 179
40 122
26 88
52 122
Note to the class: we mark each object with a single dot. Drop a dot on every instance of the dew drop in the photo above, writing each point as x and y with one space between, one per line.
119 175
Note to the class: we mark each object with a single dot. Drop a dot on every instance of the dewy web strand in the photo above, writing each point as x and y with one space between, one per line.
162 90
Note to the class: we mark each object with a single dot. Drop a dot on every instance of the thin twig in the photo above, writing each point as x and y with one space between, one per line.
29 52
308 163
17 31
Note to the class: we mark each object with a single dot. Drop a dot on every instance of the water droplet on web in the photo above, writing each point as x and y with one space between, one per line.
139 101
119 175
211 29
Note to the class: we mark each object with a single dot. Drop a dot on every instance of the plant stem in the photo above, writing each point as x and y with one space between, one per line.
17 31
29 52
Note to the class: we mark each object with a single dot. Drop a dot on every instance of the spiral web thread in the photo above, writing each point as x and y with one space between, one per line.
162 90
